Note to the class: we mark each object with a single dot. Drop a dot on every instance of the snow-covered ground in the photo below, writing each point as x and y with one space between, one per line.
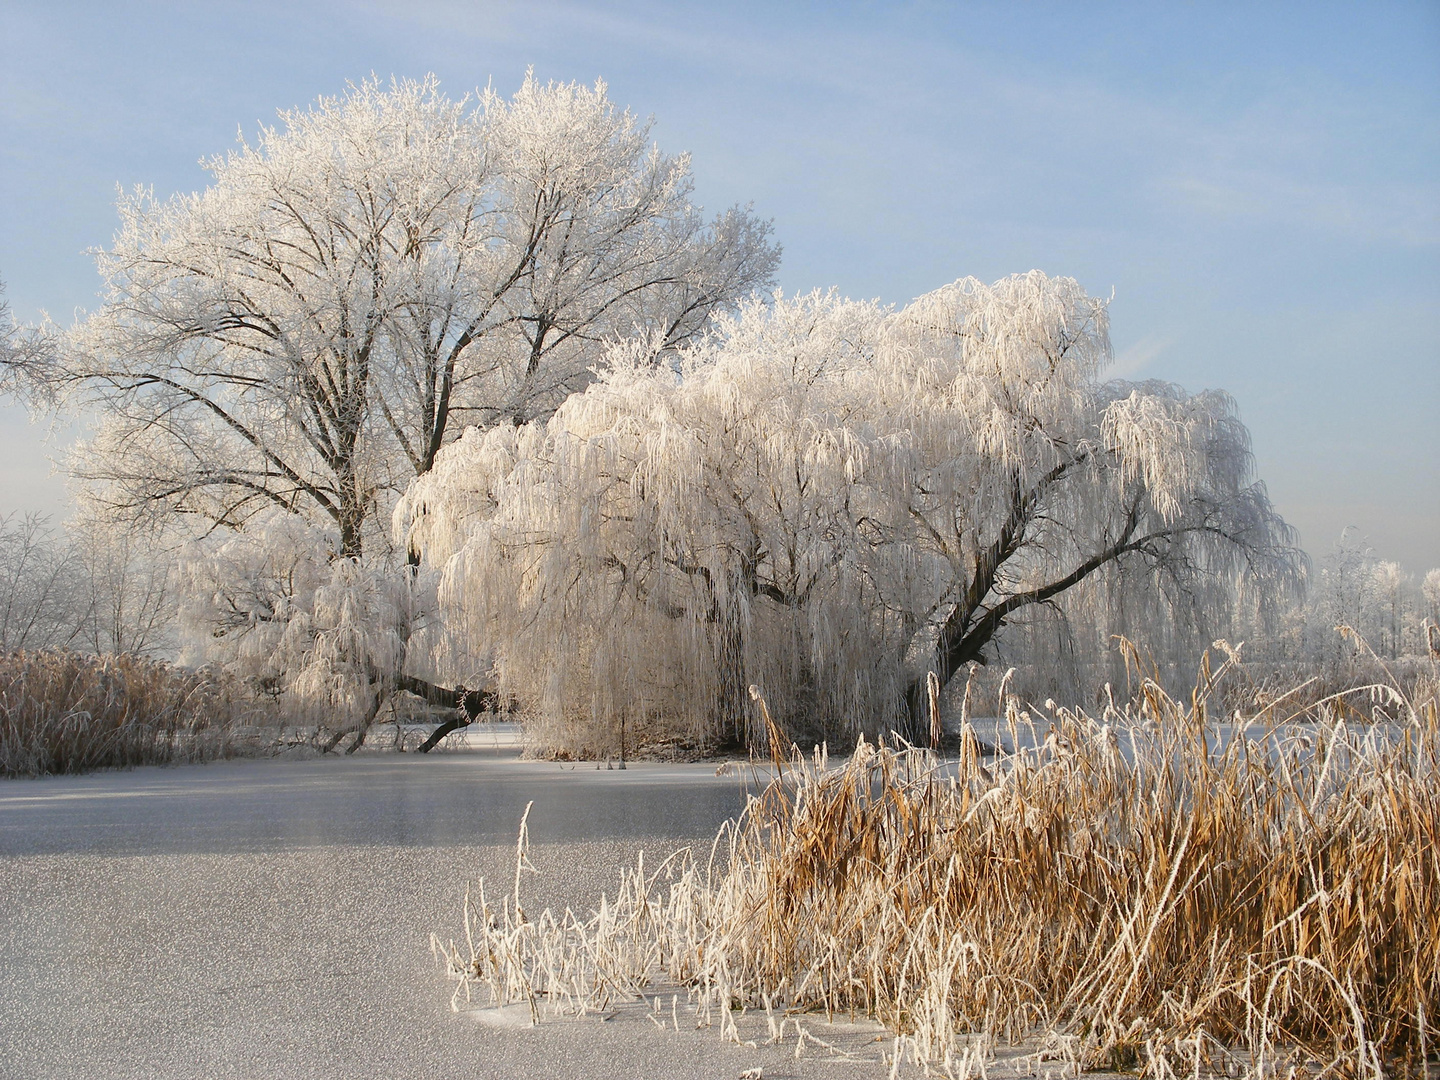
272 918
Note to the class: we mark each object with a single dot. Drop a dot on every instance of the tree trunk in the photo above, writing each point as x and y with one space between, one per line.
382 695
350 520
958 646
435 695
468 704
360 730
732 692
455 723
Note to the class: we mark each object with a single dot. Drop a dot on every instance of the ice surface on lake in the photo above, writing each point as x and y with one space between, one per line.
272 919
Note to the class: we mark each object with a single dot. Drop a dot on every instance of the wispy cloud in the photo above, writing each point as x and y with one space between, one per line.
1395 213
1137 357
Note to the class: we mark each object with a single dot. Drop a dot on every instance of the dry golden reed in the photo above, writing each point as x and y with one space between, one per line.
1155 890
62 712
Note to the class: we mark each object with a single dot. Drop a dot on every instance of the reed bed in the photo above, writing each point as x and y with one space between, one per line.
1155 890
63 712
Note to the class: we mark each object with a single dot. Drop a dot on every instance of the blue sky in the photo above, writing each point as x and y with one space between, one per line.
1259 185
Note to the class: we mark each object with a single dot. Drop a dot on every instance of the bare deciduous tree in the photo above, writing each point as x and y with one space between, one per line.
90 587
128 586
27 355
303 337
39 594
304 333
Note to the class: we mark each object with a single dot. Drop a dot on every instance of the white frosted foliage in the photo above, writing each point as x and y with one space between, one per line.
1431 591
280 608
824 499
370 275
279 354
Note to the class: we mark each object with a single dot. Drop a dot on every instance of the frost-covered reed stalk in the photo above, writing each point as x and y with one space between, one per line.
61 712
1148 891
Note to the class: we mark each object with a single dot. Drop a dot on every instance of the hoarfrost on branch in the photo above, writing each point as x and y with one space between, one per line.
305 333
829 499
301 339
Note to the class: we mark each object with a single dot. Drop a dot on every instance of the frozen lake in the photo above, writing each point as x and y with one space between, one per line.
272 918
469 798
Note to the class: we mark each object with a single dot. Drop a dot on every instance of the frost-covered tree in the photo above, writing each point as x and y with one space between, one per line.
303 337
304 333
1344 593
27 354
88 586
632 547
1058 476
1430 629
128 589
328 635
1391 587
1374 597
830 500
40 599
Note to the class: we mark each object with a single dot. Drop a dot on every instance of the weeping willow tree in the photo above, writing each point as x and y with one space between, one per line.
828 500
